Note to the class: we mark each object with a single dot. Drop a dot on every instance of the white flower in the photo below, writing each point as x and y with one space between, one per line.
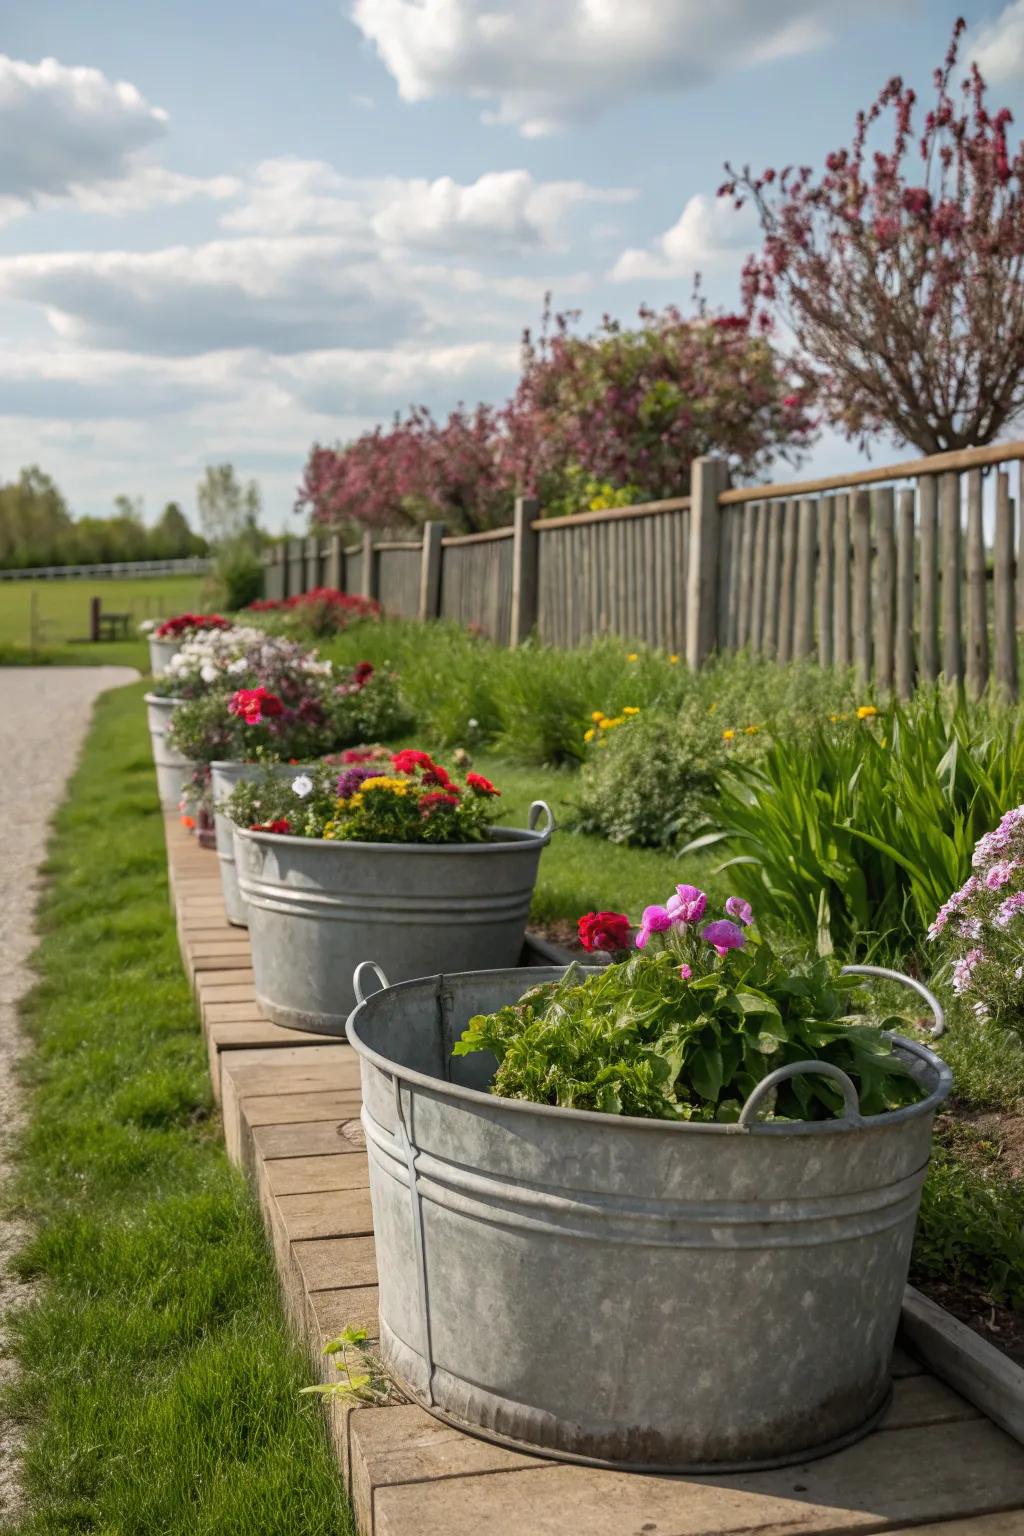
238 665
147 625
302 786
473 724
208 672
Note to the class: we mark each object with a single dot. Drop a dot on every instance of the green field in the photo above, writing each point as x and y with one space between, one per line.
53 616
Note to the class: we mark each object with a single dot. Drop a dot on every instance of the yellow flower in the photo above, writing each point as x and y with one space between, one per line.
609 725
597 716
633 656
588 736
630 709
751 730
866 711
728 735
674 660
398 787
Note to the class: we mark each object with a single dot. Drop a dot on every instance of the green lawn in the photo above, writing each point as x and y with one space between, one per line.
159 1385
49 617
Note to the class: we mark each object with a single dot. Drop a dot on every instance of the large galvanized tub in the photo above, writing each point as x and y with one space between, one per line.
161 653
636 1293
172 768
223 778
316 908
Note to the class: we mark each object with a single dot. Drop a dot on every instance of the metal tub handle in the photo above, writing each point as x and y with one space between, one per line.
938 1029
851 1103
532 819
357 978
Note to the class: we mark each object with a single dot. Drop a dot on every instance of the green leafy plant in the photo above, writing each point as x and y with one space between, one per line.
362 1378
686 1028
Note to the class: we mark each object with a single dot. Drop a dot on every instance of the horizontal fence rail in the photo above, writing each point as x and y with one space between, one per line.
190 565
906 571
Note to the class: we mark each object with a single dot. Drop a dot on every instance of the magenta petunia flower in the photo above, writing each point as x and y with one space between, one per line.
687 905
723 935
740 909
654 920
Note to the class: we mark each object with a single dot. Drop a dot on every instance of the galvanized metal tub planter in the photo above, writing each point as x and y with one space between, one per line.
223 778
645 1294
172 768
162 652
317 907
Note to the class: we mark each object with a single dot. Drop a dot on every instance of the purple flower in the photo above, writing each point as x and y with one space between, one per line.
687 905
350 780
654 920
964 970
723 935
685 973
738 908
1008 910
1000 874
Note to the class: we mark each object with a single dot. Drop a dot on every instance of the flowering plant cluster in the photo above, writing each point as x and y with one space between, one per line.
410 798
320 612
695 1012
980 928
286 711
219 659
184 624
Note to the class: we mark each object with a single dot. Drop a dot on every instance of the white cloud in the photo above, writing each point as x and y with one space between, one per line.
353 383
710 232
507 211
72 134
547 63
281 295
997 47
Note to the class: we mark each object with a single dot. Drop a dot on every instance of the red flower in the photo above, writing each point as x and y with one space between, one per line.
408 760
441 777
482 786
282 826
359 755
604 930
185 623
255 705
362 672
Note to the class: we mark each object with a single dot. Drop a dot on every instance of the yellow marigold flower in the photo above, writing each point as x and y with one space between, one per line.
866 711
633 656
630 709
597 716
588 736
728 735
673 660
609 725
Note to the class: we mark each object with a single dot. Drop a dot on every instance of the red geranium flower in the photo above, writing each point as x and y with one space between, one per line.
255 705
604 930
408 760
433 801
482 786
282 826
362 672
185 623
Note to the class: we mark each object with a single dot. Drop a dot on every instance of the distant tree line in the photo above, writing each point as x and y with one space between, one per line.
37 528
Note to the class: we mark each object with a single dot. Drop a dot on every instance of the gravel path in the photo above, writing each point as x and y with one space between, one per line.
44 714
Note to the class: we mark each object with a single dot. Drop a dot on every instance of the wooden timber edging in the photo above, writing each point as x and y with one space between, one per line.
937 1466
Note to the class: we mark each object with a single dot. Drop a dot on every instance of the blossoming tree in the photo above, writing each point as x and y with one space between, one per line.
901 272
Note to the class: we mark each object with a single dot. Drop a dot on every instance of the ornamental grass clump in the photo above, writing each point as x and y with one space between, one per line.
409 798
694 1012
299 710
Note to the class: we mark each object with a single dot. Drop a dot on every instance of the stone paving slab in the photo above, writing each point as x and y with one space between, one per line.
291 1109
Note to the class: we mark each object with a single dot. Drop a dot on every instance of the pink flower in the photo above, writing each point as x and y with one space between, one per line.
687 905
740 909
1009 908
654 920
964 970
685 973
1000 874
723 935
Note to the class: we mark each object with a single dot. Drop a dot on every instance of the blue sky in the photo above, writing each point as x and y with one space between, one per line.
229 229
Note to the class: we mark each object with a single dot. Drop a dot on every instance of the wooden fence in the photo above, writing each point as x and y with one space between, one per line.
906 571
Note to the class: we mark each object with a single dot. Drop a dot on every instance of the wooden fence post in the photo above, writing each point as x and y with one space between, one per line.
842 644
826 579
335 563
927 499
806 559
1005 618
525 570
952 645
977 589
709 478
862 584
430 570
369 582
885 572
905 595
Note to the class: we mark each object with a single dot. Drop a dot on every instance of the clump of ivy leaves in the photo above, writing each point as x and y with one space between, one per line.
641 1038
